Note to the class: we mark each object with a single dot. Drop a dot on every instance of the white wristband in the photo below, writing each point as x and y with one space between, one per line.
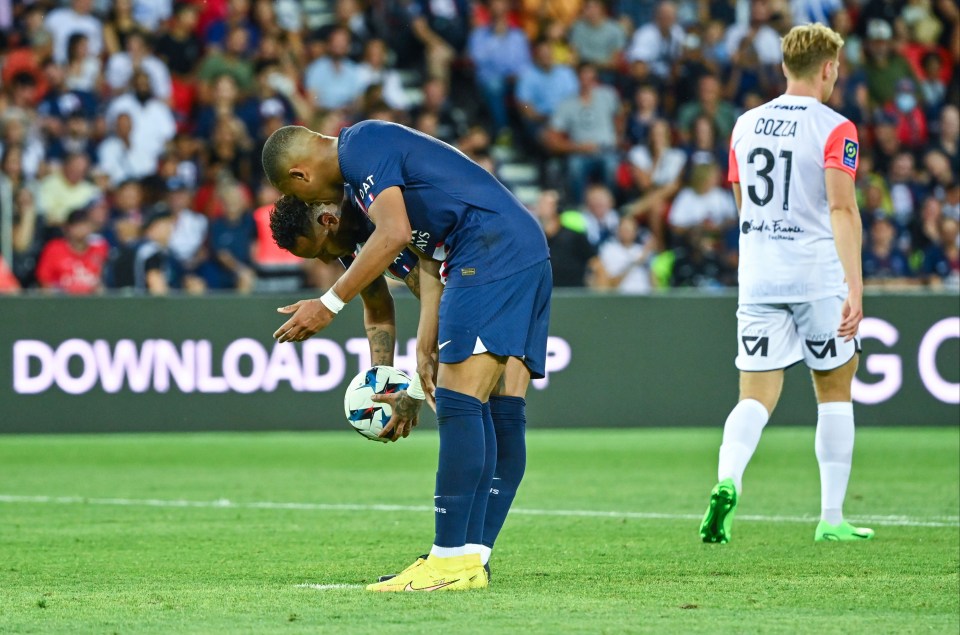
332 301
415 389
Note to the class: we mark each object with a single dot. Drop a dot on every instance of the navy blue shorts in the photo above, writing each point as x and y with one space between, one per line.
508 317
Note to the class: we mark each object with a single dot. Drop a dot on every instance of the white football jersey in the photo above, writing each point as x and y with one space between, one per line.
779 153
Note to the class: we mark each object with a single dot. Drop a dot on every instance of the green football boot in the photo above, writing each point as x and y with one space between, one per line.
843 531
718 521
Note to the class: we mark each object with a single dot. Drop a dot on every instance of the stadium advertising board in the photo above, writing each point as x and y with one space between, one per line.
114 364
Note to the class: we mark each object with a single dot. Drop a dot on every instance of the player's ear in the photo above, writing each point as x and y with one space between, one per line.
297 173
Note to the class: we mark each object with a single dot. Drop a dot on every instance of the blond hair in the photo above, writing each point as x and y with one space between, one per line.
806 47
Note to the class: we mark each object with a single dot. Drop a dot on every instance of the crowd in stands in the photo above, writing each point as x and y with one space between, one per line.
131 130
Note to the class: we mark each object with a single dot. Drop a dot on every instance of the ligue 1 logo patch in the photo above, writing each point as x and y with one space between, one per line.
850 150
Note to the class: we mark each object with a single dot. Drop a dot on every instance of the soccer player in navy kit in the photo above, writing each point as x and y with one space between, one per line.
493 310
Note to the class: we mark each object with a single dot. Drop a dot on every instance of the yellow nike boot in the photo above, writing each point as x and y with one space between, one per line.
438 574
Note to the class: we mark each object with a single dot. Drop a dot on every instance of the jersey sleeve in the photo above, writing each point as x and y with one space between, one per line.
733 172
842 150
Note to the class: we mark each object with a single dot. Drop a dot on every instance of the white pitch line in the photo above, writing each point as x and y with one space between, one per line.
222 503
329 587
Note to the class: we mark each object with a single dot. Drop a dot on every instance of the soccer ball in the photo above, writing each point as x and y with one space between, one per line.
363 413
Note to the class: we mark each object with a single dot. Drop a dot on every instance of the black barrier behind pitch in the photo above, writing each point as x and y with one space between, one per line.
158 364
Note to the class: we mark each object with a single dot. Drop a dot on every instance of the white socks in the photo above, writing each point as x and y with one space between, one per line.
834 446
447 552
741 434
485 552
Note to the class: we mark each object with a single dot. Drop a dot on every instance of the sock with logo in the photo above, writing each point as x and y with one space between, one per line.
479 509
741 434
459 469
834 448
510 422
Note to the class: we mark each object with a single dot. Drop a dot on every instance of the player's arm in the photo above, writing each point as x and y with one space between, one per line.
737 196
431 288
379 321
390 236
848 236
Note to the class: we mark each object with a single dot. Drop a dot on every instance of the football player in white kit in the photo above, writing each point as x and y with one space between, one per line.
792 165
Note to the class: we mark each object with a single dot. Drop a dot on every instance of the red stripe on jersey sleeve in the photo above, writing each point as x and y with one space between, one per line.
842 150
733 172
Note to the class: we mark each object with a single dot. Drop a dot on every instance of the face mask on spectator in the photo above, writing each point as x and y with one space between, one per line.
906 102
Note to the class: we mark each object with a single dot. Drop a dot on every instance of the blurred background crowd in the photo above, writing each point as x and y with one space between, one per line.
130 130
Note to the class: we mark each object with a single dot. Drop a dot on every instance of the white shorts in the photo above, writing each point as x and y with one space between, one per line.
776 336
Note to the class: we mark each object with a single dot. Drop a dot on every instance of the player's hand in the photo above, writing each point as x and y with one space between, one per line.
406 414
850 317
427 370
309 318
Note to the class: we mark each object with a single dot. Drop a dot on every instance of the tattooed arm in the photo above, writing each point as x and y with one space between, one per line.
379 320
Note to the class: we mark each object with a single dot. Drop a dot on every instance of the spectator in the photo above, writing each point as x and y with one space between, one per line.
584 130
27 233
933 89
644 112
884 263
136 56
73 264
500 53
188 241
63 22
442 30
66 190
906 193
155 270
571 254
231 243
660 43
76 136
119 25
15 133
600 218
60 102
232 60
596 38
152 119
703 203
657 171
451 121
150 14
948 139
542 87
625 259
700 263
884 66
119 157
710 102
374 70
704 146
178 47
764 39
910 121
237 17
334 79
82 71
276 269
277 96
942 263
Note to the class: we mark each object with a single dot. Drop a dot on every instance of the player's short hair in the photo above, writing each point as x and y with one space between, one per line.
289 219
808 46
276 151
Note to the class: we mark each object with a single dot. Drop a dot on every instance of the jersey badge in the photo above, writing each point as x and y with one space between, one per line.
850 150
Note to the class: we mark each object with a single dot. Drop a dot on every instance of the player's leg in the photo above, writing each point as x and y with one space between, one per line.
768 344
508 407
833 363
462 389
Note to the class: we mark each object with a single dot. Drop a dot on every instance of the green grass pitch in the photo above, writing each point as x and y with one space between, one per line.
216 533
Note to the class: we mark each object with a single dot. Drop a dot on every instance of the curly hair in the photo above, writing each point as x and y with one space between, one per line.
289 219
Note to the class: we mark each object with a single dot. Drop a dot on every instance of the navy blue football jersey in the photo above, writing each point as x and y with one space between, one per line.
459 213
